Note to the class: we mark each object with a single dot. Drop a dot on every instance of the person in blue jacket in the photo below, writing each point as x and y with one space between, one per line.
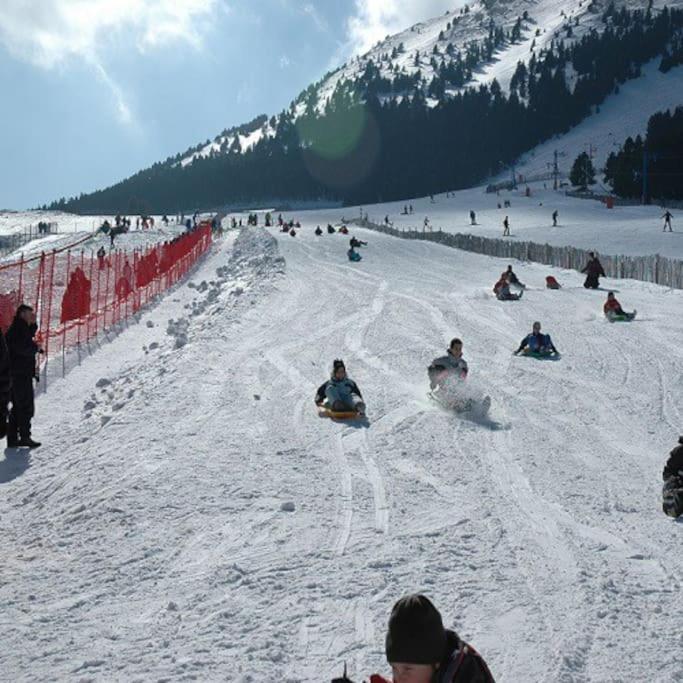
353 255
537 342
340 393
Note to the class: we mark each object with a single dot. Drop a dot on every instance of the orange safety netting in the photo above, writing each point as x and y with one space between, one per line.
76 295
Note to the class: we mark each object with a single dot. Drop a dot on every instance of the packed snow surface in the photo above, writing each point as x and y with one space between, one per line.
190 517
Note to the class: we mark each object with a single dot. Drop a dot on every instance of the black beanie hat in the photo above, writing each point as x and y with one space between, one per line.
678 449
336 365
416 633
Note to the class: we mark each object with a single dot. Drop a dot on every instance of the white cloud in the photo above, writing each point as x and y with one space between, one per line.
374 20
50 33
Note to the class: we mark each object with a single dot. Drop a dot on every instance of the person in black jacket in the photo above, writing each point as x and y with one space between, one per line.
594 271
420 649
5 384
22 354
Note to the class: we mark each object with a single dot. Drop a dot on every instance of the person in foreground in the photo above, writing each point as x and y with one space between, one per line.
672 491
340 393
420 650
613 310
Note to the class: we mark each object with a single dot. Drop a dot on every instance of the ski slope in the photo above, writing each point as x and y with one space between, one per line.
190 517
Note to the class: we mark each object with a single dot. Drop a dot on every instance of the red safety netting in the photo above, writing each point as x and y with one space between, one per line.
78 295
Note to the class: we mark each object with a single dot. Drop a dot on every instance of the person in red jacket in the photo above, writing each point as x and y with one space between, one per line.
420 650
612 307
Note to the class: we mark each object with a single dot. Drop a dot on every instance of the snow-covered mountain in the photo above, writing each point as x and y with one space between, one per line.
489 38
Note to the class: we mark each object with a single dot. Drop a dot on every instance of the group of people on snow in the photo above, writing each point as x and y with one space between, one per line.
18 351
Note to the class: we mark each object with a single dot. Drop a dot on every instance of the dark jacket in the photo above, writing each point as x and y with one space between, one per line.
542 341
5 377
322 389
22 348
594 268
674 465
463 664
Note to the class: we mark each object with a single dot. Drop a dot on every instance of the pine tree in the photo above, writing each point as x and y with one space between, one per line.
583 173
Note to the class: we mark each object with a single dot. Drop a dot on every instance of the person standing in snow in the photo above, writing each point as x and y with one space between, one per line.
506 227
5 384
340 393
473 218
452 364
667 220
555 214
420 650
22 353
594 271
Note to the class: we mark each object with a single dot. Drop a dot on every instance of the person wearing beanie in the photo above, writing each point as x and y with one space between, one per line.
672 492
420 650
340 393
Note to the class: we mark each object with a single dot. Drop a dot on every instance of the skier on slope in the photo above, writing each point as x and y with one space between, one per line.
672 492
506 227
340 393
594 271
537 342
555 215
451 365
667 220
612 308
473 218
420 650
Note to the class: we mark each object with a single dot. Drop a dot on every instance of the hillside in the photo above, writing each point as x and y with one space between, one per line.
191 517
511 75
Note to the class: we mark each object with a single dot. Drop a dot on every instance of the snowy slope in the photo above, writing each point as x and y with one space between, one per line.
147 539
620 116
586 224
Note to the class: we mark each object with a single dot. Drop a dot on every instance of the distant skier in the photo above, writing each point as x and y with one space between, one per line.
672 491
537 342
340 393
594 271
613 310
555 215
506 227
667 220
473 218
451 365
355 243
318 231
420 650
426 223
502 290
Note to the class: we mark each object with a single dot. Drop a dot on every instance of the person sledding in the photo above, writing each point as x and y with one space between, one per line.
512 278
330 229
672 491
502 290
613 310
340 394
318 231
537 343
356 243
420 650
594 271
552 283
452 365
353 255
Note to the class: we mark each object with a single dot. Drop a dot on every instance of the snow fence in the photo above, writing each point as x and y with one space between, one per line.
658 269
77 296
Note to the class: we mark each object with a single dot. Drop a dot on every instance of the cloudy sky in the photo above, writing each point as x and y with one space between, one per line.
94 90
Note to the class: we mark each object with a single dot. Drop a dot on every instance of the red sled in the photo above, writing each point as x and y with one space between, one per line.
552 283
